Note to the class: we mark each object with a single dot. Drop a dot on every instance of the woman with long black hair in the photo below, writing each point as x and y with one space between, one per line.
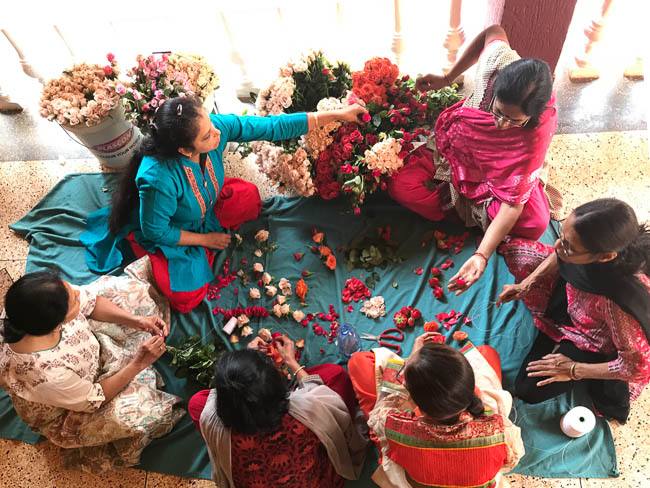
589 299
174 203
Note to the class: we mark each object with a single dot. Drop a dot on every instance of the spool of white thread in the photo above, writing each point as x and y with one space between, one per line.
230 325
577 422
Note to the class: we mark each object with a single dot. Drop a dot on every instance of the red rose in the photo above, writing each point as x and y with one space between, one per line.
400 320
418 271
438 293
434 282
366 118
372 139
416 314
109 71
110 57
356 136
410 321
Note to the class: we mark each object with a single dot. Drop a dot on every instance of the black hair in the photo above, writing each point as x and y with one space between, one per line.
441 382
35 305
252 395
168 132
610 225
526 83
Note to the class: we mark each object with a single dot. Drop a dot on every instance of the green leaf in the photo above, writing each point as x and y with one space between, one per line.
376 276
376 120
370 282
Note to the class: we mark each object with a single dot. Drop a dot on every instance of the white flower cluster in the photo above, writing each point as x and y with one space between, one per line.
374 308
384 156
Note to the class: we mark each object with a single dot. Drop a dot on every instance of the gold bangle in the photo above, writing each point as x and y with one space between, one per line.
296 371
316 120
572 372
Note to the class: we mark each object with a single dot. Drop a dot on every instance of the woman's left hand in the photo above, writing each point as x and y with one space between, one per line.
353 113
470 272
152 324
556 366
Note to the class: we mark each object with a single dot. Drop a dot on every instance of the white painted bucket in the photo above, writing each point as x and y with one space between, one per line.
113 141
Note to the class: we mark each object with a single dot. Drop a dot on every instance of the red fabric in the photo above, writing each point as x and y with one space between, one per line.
409 190
338 380
239 201
196 405
183 301
290 457
468 453
486 161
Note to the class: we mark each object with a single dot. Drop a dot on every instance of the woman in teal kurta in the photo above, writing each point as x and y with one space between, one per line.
174 202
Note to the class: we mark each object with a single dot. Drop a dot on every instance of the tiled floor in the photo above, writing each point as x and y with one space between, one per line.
584 166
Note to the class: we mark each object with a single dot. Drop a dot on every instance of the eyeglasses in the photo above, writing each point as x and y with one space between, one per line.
503 118
566 248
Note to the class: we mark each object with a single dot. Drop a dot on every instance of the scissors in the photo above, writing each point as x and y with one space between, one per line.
386 336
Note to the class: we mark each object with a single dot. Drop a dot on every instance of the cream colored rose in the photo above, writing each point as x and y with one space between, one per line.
281 299
242 320
277 310
271 290
298 315
246 331
285 309
258 267
254 293
266 278
262 235
285 286
258 253
265 334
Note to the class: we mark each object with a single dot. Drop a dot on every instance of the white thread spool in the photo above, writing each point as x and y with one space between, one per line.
230 325
577 422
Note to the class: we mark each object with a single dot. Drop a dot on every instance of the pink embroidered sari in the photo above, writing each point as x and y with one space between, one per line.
487 162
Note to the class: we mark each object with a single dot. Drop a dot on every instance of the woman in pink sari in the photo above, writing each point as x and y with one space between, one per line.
488 151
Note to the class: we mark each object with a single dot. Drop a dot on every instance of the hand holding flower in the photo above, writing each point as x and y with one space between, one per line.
469 273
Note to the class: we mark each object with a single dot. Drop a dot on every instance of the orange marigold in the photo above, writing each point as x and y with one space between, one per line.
301 288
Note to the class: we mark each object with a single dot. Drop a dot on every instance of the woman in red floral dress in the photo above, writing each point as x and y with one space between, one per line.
261 436
589 299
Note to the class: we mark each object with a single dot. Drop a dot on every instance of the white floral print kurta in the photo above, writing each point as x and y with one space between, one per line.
57 392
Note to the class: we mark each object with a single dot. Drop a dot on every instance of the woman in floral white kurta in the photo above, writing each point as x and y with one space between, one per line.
57 391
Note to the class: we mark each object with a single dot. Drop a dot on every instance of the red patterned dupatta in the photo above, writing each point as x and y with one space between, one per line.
469 453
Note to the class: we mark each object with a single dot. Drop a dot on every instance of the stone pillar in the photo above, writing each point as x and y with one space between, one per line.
535 28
